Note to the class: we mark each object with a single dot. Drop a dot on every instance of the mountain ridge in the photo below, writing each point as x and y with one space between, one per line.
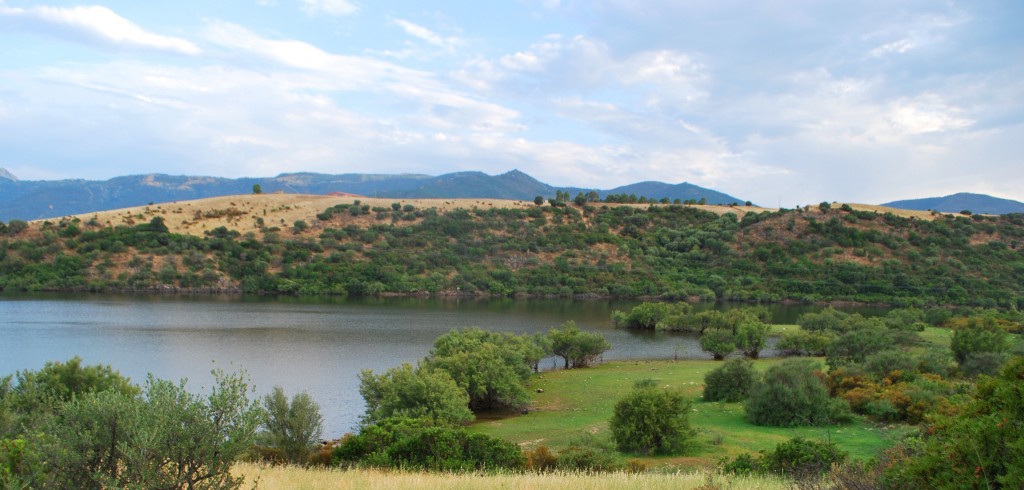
961 201
30 200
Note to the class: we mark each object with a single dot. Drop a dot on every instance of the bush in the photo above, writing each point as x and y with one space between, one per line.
418 444
730 382
588 453
977 336
413 393
651 421
791 394
977 446
797 458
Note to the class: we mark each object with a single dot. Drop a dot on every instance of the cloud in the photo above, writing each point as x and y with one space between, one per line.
449 44
330 7
95 25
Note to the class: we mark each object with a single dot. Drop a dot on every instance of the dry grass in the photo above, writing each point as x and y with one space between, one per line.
244 213
295 478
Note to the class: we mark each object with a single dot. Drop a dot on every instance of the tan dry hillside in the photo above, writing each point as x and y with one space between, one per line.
244 213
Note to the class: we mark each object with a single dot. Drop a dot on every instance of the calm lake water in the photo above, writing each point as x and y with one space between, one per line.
314 345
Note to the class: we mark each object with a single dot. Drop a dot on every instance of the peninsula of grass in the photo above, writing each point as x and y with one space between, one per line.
579 401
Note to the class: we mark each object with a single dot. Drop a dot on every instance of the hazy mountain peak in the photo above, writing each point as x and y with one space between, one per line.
4 174
962 201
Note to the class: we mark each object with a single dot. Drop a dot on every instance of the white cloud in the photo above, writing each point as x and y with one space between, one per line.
95 24
431 37
329 7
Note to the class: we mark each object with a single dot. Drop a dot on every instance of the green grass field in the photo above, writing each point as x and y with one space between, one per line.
581 401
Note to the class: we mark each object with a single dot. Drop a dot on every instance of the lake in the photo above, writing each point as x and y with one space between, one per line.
316 345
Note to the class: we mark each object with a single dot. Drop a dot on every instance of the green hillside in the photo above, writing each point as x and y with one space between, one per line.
598 250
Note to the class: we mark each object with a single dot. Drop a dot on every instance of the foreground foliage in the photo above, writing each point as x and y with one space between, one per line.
110 434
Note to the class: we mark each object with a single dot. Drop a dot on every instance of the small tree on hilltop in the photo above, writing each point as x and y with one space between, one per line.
651 421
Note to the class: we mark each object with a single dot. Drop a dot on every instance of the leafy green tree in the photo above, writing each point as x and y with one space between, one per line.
718 342
257 189
292 428
492 367
414 393
651 421
790 394
578 348
750 337
539 200
730 382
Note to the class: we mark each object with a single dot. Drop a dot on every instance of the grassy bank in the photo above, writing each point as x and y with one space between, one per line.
581 401
296 478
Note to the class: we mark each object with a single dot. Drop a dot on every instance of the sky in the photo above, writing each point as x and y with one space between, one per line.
782 102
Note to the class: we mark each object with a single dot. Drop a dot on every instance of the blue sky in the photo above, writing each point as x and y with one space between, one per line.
776 101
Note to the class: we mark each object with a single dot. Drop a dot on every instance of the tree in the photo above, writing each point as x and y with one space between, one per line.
651 421
415 393
293 428
539 200
718 342
166 438
792 394
751 334
492 367
578 348
729 382
257 189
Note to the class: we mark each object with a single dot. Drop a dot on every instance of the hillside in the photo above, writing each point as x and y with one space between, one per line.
335 245
29 200
964 201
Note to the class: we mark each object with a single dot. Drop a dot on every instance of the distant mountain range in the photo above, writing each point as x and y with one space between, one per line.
964 201
28 200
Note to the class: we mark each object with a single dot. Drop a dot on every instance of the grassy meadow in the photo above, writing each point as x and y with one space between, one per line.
582 400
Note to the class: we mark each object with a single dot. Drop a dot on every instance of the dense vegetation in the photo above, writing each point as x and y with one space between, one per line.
670 251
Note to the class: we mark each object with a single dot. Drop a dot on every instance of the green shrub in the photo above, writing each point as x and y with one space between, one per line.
977 446
797 458
651 421
730 382
413 393
977 336
791 394
588 453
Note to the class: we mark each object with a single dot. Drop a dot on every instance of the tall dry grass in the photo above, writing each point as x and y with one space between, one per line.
297 478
